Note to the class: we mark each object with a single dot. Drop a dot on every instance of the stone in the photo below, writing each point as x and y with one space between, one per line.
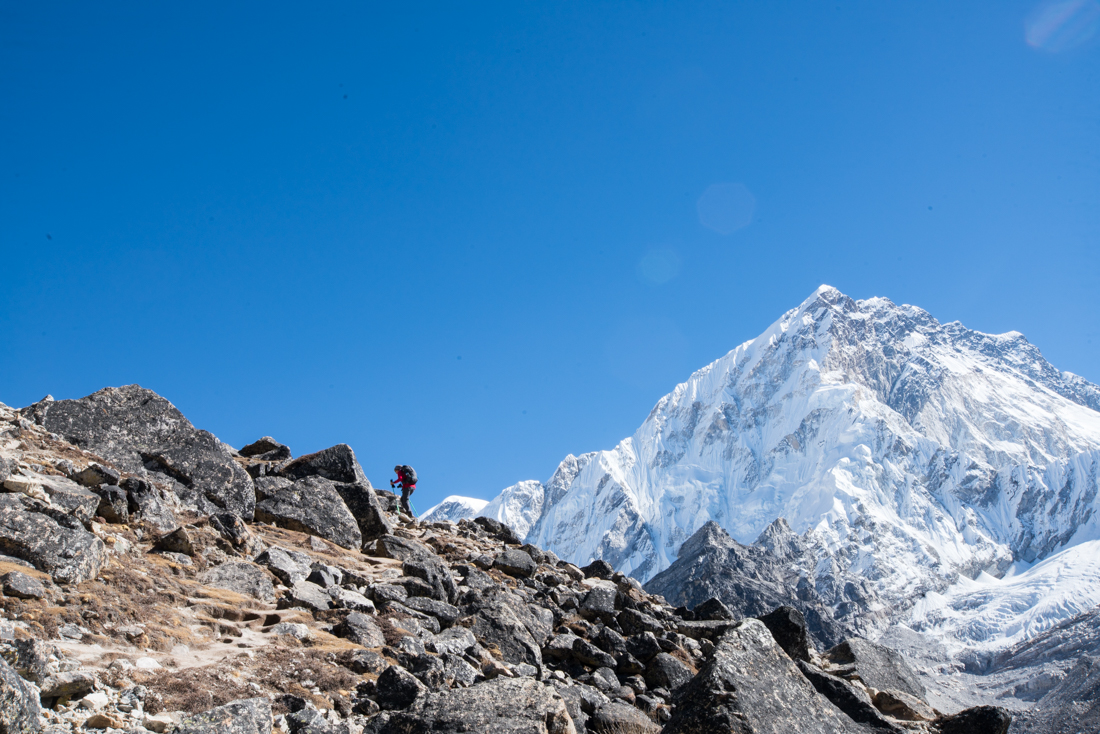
29 486
313 506
235 534
382 593
289 566
364 505
633 622
73 684
114 504
21 586
750 685
705 630
150 504
337 464
94 701
177 541
588 654
353 600
599 603
20 711
903 706
515 563
611 642
67 552
503 619
70 497
614 718
158 722
713 609
363 661
360 629
877 666
308 595
243 578
138 431
97 475
246 716
397 688
269 485
501 706
788 627
444 612
455 640
435 573
31 659
643 646
851 700
291 629
666 671
498 530
559 647
986 720
266 449
325 576
103 721
598 569
401 549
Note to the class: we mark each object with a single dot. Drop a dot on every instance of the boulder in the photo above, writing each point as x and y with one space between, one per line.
266 449
599 603
435 573
615 718
397 688
444 612
247 716
177 541
633 622
363 661
74 685
1076 698
498 530
137 431
401 549
243 578
515 563
311 505
70 497
20 711
713 609
851 700
643 646
877 666
788 627
22 586
666 671
455 640
588 654
598 569
289 566
97 475
500 705
31 658
363 503
150 504
360 629
308 595
65 550
504 620
988 720
347 599
750 685
114 504
336 463
903 706
235 534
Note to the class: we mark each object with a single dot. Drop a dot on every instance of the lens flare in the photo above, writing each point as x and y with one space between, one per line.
726 207
659 266
1062 25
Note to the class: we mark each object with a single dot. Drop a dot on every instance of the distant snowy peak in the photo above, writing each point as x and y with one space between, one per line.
454 508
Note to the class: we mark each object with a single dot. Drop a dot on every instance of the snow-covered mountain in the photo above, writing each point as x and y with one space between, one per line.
454 508
905 452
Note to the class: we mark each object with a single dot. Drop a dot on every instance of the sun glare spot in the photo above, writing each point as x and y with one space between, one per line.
726 207
1062 25
659 266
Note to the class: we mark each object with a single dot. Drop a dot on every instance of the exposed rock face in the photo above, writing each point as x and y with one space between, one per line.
139 431
851 700
242 578
788 627
247 716
62 549
20 712
750 685
503 619
312 505
877 666
336 463
364 505
988 720
266 449
751 580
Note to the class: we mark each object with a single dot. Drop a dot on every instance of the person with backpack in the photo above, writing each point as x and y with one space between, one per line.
406 479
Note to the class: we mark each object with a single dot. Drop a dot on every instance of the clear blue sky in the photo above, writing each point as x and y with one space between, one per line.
477 237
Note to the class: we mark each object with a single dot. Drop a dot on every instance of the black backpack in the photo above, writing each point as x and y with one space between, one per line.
408 475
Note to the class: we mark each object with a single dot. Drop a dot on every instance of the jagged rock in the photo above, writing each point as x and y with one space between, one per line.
560 647
397 689
611 642
325 576
455 640
903 706
846 697
336 463
401 549
235 533
502 619
598 569
114 504
20 712
311 505
150 505
643 646
433 572
347 599
7 466
243 578
613 718
74 685
788 627
634 622
588 654
138 431
750 685
364 661
360 629
665 671
877 666
69 554
363 503
22 586
382 593
501 706
247 716
515 563
177 541
292 629
289 566
498 530
70 497
97 475
31 658
991 720
266 449
307 594
444 612
710 630
600 603
713 609
269 485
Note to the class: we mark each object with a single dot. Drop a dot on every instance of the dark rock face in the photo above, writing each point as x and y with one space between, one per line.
114 505
501 706
665 671
788 627
877 666
22 586
312 505
360 629
503 619
266 449
750 580
247 716
750 685
498 530
435 574
70 497
242 578
846 697
149 505
363 503
1071 706
336 463
139 431
515 563
397 689
66 551
992 720
20 712
598 569
713 609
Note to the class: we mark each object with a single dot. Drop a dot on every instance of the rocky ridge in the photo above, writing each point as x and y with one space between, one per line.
143 591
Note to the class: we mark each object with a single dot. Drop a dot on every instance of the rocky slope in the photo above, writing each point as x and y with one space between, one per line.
142 588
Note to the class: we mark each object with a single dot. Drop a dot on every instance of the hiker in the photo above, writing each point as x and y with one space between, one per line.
406 479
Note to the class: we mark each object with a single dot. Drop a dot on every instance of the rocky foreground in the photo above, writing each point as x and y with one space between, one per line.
155 579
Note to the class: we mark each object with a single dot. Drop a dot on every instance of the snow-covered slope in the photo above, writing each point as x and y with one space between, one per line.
454 508
908 452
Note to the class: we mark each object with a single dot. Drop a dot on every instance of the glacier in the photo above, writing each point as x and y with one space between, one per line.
920 457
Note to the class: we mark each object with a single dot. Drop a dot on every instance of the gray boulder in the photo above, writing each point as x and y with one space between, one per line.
114 504
138 431
397 689
235 535
308 595
247 716
851 700
996 720
750 685
266 449
504 620
150 505
455 640
877 666
336 463
435 574
515 563
22 586
73 685
665 671
363 503
97 475
614 717
243 578
360 629
312 505
289 566
401 549
58 546
67 495
20 711
788 627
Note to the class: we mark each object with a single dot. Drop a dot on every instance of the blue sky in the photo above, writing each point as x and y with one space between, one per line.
474 238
